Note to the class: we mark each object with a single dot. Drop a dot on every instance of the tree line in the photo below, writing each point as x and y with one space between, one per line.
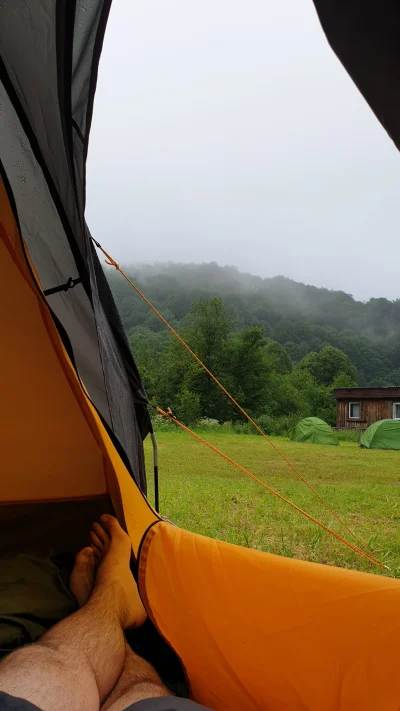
256 370
302 318
279 347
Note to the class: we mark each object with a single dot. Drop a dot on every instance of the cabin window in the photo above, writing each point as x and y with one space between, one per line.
354 410
396 410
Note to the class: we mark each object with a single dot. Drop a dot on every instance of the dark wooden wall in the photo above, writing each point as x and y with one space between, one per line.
370 411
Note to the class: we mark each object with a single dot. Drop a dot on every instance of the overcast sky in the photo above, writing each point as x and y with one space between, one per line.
227 131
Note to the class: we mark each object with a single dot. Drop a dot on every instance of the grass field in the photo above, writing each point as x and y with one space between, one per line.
205 494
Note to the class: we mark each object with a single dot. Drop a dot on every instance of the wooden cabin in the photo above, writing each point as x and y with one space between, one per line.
360 407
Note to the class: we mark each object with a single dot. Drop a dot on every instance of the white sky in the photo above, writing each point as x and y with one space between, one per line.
227 131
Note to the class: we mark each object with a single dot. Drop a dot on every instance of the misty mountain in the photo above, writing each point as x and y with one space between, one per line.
301 317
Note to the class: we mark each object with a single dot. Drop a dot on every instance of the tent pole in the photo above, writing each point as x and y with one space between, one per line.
155 467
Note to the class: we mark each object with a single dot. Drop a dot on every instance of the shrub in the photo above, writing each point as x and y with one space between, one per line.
208 423
266 423
277 425
161 423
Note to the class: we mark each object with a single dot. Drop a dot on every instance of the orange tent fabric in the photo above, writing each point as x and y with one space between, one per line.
258 631
48 450
53 444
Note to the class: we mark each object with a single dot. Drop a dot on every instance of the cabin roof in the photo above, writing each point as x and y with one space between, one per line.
385 393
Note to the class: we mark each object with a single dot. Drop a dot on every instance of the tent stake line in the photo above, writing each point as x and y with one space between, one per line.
168 414
112 263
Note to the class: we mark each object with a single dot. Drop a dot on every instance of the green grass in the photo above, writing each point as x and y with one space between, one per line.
205 494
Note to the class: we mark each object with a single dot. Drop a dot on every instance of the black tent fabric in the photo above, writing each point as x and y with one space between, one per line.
49 54
365 35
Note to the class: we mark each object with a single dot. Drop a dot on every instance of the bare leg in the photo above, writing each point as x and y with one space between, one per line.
138 681
77 663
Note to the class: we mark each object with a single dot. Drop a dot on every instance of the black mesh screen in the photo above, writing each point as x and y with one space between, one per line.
48 69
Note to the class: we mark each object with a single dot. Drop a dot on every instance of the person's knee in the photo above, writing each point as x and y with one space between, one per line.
41 671
149 689
42 659
27 667
29 658
133 693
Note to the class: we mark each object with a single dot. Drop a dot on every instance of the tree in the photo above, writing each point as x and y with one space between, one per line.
246 371
176 373
302 318
326 365
278 358
146 347
208 331
343 380
188 408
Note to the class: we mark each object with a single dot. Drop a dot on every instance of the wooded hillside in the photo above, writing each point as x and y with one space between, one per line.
233 318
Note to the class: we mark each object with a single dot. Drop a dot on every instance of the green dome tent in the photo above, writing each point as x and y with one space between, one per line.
384 434
313 430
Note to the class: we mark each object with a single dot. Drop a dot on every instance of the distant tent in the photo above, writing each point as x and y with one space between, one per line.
313 430
384 434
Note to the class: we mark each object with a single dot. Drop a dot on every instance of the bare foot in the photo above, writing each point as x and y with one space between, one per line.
112 548
82 577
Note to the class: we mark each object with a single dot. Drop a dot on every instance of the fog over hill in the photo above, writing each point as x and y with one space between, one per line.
301 317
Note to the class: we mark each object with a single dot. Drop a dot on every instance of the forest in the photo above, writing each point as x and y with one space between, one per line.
280 347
